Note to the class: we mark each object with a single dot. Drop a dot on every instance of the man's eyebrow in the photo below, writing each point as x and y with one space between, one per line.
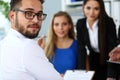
31 9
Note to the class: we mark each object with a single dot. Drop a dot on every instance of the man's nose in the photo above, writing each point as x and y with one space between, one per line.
35 19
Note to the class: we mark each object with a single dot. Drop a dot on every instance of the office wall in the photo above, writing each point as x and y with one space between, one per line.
50 7
116 13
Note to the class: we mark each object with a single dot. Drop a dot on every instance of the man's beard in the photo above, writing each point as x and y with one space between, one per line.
26 33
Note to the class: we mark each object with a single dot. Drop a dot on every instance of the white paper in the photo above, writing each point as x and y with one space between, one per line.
110 61
78 75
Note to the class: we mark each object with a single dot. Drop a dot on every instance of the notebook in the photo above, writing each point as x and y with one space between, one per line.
78 75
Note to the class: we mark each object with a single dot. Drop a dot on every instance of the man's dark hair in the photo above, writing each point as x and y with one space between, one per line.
16 4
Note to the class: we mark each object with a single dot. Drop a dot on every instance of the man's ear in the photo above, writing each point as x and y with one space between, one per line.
12 16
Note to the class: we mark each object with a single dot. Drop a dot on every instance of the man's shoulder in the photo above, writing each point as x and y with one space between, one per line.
17 41
30 42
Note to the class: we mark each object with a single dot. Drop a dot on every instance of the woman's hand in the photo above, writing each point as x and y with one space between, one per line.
41 42
115 54
62 75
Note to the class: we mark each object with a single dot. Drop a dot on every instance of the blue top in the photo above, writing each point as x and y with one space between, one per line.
65 59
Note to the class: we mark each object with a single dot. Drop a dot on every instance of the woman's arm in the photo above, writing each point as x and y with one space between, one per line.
81 46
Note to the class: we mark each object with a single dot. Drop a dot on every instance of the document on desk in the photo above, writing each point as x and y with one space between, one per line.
116 62
78 75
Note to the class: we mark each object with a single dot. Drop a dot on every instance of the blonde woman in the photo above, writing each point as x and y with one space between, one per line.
61 46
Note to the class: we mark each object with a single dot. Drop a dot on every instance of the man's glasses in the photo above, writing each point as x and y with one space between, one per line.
30 15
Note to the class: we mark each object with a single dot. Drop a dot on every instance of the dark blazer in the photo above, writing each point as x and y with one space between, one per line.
118 40
83 41
113 68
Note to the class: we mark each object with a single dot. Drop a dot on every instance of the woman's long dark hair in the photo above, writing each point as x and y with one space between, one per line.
102 28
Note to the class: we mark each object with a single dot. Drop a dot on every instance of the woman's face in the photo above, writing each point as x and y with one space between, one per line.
91 10
61 26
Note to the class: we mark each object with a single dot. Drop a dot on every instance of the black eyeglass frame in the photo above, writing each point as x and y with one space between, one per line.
42 17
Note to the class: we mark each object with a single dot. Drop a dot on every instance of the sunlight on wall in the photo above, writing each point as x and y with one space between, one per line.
4 25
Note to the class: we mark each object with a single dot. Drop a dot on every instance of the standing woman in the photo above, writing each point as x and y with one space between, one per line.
61 46
96 32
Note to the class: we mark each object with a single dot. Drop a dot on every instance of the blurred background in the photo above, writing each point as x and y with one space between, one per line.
73 7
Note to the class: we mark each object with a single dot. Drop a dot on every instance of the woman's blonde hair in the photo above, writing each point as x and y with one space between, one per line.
52 38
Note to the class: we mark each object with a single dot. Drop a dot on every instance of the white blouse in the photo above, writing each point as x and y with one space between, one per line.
93 35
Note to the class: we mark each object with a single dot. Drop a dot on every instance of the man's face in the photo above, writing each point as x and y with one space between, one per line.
28 27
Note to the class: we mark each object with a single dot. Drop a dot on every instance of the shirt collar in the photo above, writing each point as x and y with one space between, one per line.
95 25
15 32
